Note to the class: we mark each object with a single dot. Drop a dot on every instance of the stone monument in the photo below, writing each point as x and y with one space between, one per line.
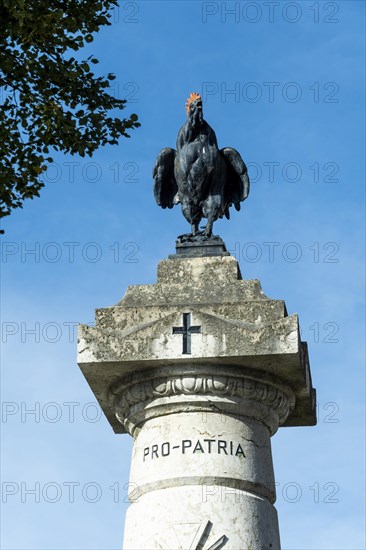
201 369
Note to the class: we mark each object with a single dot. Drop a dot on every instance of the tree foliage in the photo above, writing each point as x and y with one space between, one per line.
51 100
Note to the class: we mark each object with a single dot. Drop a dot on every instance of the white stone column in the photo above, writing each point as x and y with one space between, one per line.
201 369
201 462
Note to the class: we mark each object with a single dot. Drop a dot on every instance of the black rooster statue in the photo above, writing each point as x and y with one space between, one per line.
206 180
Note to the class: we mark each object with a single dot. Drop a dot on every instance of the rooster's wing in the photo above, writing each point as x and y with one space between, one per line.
237 181
165 185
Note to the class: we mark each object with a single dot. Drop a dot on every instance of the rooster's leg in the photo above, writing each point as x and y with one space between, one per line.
194 227
208 230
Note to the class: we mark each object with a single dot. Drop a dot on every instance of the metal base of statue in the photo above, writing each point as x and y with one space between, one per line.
198 246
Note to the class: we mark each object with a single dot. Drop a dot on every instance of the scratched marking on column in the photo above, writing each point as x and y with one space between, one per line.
202 537
184 531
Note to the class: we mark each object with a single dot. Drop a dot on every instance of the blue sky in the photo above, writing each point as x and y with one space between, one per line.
296 114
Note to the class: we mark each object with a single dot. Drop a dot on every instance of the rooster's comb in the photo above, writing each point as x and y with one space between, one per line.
193 96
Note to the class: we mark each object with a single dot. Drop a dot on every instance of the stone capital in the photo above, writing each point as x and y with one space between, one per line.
203 389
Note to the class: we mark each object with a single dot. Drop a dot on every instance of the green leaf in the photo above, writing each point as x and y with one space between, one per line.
37 37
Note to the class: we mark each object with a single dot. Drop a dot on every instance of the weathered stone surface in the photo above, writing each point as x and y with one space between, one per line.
240 327
213 468
201 369
240 520
205 439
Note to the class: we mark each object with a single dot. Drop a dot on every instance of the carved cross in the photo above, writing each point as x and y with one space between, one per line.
186 330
